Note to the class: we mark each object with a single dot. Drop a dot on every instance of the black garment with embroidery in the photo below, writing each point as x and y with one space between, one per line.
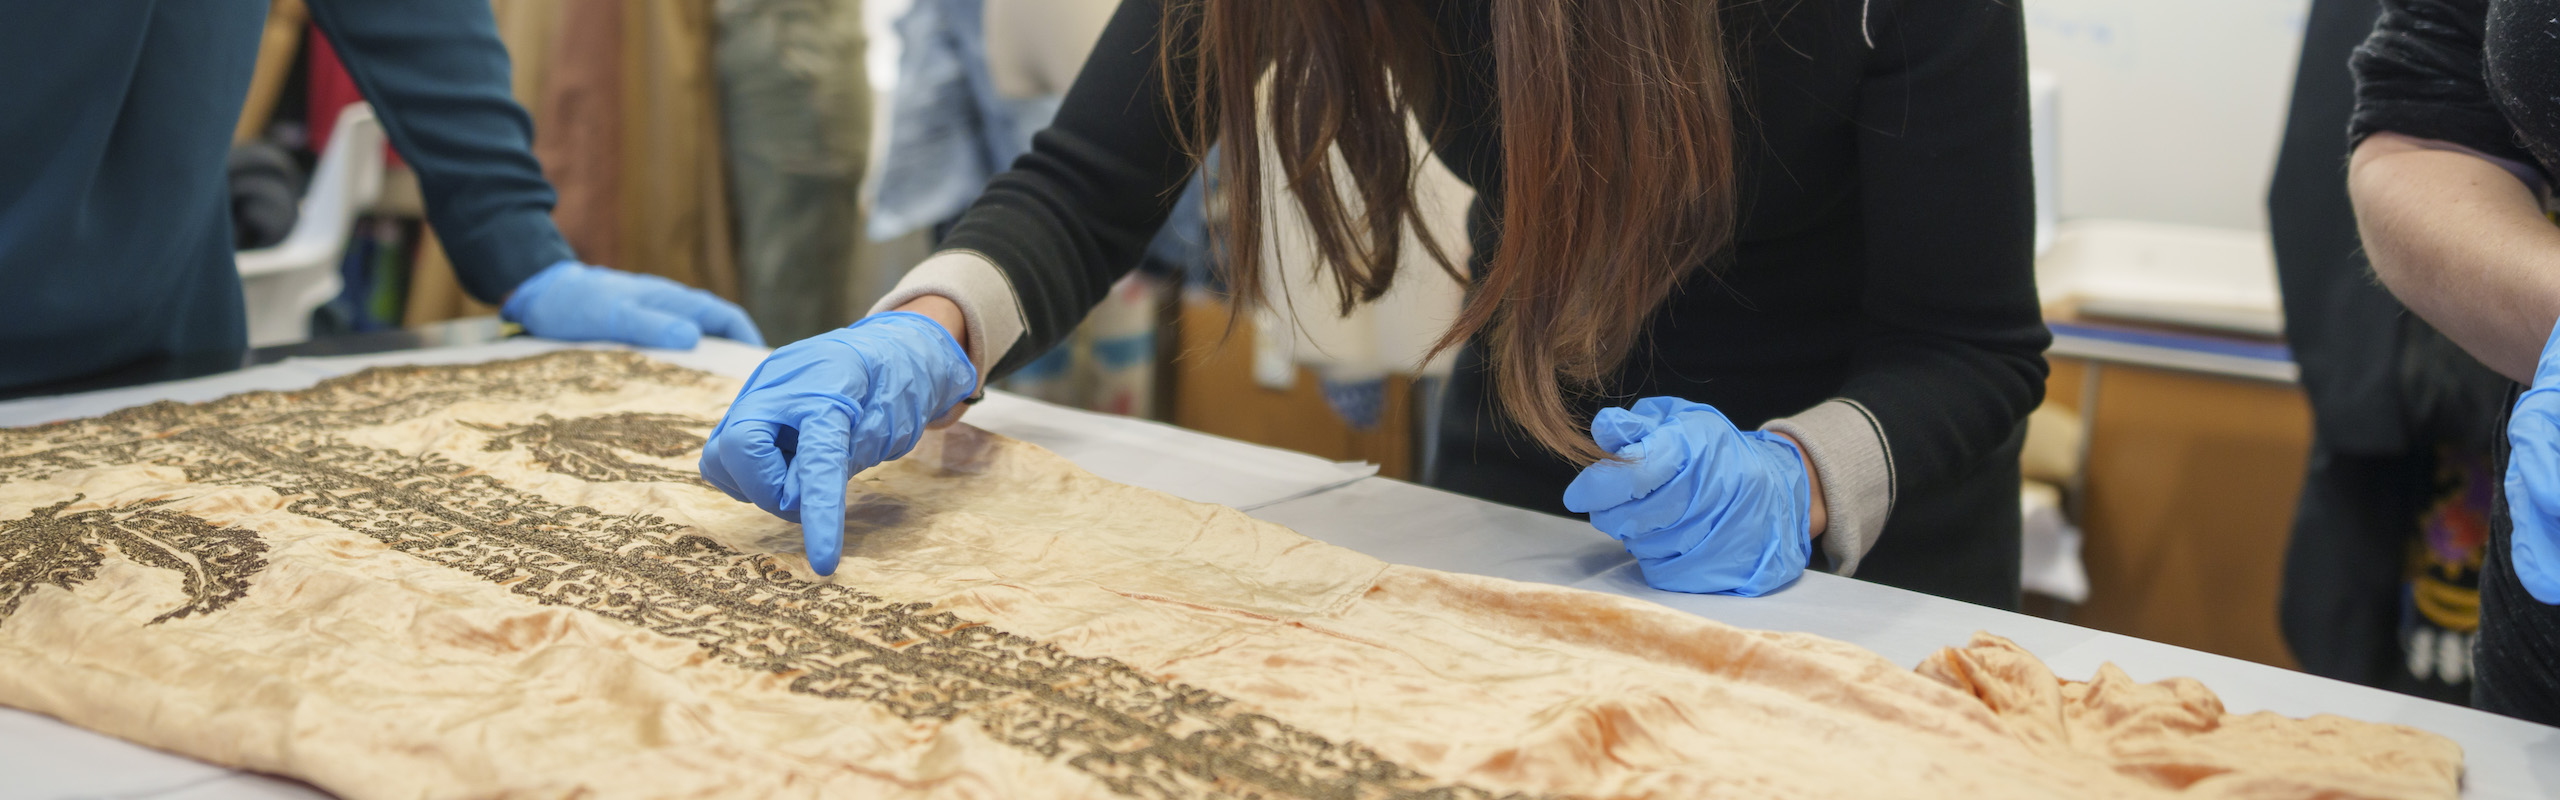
2422 74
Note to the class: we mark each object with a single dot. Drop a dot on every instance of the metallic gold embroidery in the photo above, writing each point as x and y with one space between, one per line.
48 548
1140 736
584 447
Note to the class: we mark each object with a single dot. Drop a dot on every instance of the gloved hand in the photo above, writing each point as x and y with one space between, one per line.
1704 508
823 408
576 302
2533 479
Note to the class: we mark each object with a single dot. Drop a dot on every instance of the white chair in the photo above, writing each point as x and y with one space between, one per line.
285 283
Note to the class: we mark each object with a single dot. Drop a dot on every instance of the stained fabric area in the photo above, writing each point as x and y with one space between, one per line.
505 579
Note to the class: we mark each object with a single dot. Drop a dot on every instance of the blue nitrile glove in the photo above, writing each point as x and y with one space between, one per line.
2533 479
576 302
1704 508
823 408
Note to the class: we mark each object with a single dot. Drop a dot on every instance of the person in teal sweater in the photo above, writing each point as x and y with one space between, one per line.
116 258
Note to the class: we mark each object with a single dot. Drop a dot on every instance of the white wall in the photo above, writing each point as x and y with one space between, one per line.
2171 109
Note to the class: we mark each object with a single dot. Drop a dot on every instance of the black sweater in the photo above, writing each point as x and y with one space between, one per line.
2421 74
1884 255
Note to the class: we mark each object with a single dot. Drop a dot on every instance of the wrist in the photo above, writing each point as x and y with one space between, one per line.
943 312
952 372
1818 516
520 299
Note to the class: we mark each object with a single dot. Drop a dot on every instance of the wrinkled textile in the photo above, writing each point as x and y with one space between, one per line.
504 579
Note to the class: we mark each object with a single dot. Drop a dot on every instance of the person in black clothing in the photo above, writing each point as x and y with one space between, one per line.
2381 581
2453 105
1802 229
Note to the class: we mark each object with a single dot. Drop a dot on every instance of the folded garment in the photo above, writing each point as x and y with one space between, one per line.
504 579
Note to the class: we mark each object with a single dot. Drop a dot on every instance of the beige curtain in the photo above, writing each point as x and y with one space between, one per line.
626 122
674 185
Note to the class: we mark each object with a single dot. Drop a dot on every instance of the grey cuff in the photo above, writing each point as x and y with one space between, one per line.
1849 451
986 299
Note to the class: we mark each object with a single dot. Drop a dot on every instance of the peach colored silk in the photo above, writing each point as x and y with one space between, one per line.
505 580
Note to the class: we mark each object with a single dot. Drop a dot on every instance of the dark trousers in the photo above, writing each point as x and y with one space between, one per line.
2357 520
2516 663
2345 569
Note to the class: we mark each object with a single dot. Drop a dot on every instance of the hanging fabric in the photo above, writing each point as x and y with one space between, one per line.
674 184
796 103
625 111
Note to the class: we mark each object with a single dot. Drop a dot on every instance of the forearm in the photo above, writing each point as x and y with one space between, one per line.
437 75
2461 242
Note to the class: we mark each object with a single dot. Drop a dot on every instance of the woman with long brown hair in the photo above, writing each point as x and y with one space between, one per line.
1799 230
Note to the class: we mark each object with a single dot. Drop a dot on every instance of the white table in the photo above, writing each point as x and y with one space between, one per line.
1389 519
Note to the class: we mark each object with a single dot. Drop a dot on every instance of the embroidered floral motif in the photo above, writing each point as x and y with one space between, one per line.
1139 735
50 548
585 447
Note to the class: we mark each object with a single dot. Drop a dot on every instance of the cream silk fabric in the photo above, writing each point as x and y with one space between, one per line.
505 580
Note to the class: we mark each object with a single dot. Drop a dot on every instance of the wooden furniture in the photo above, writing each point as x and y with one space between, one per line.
2187 502
1214 392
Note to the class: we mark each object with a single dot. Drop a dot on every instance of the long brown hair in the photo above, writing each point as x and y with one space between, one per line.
1617 165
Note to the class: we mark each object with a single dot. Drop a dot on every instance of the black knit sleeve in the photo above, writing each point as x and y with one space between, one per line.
1952 357
1077 211
2420 74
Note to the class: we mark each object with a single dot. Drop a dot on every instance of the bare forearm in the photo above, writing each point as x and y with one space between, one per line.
2464 244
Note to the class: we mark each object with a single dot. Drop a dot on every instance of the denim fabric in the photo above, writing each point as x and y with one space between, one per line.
949 130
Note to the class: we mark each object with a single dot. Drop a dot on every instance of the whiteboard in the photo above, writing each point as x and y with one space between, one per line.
2171 110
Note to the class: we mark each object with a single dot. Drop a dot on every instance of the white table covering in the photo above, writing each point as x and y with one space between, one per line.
1392 520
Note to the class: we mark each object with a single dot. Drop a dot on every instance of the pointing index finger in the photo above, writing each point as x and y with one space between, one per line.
821 470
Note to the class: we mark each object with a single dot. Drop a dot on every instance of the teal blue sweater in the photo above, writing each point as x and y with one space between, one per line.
115 231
